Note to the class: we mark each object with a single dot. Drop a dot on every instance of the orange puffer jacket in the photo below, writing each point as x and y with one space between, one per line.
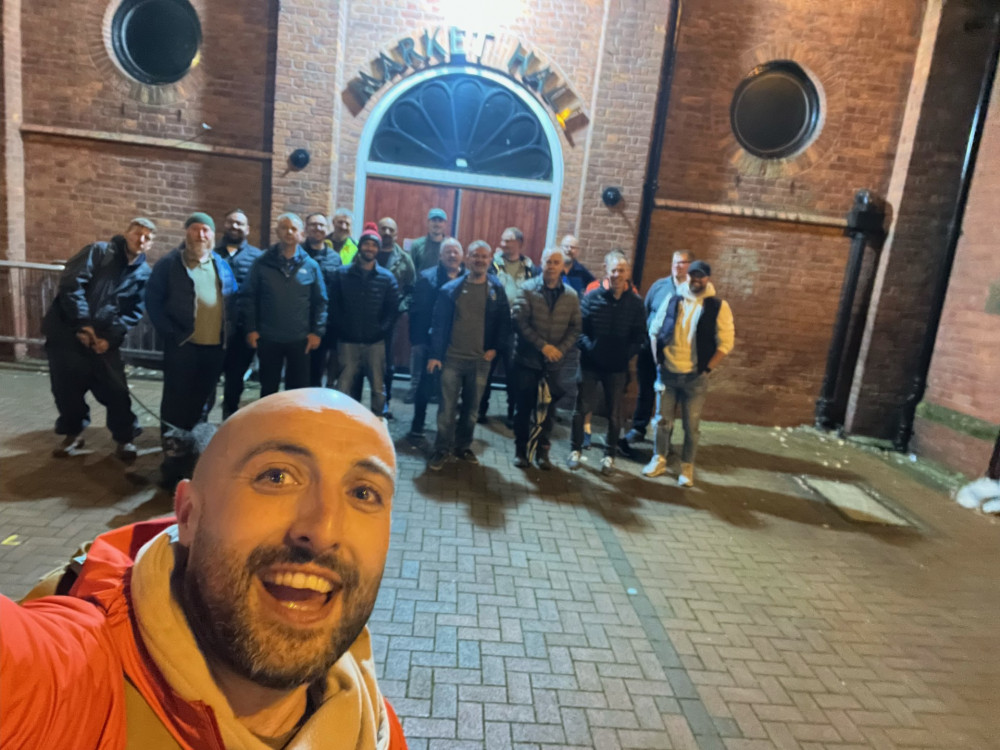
63 660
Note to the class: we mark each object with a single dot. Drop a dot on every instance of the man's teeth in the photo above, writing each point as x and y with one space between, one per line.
300 581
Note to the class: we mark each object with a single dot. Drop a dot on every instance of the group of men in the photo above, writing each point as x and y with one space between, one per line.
563 322
317 308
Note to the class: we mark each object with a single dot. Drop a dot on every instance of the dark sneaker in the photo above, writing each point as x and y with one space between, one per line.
542 461
415 436
437 460
625 447
126 452
521 461
634 436
467 455
69 446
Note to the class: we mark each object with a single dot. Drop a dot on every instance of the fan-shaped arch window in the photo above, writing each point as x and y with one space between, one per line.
466 124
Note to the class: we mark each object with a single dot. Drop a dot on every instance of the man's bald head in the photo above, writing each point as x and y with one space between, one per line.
317 404
286 526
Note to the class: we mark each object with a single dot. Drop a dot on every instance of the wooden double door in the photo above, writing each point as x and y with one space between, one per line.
473 214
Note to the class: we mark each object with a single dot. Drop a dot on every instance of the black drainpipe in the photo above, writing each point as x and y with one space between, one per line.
652 182
916 395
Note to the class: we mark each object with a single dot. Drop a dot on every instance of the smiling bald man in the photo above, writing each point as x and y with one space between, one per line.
243 623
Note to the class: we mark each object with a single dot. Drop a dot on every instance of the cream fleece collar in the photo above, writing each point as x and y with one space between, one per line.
351 716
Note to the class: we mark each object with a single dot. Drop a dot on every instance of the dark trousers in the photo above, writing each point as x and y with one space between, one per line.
428 387
645 371
323 361
526 380
190 373
613 384
273 356
74 370
506 355
235 364
390 367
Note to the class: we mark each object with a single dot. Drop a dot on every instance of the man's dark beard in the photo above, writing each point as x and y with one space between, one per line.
224 631
230 240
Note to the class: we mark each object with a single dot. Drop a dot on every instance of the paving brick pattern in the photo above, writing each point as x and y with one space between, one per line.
536 610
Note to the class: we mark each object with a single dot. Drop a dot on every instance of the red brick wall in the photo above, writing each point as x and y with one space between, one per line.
860 54
915 258
957 450
306 92
622 123
782 279
782 282
70 79
964 370
79 192
12 171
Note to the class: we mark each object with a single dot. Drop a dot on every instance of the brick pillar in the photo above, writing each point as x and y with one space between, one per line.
915 256
306 104
12 185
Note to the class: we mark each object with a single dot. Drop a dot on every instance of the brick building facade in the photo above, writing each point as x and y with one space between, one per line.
87 146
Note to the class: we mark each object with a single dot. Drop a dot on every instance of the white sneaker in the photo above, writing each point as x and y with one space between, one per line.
686 477
573 462
656 467
607 465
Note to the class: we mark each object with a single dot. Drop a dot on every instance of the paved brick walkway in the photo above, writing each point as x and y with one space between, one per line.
555 610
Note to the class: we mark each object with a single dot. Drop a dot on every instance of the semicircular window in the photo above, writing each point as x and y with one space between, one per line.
775 110
463 123
156 41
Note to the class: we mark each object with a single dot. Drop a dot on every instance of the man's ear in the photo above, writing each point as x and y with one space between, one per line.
187 511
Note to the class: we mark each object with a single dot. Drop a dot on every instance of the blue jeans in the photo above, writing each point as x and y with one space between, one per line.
358 361
465 377
689 391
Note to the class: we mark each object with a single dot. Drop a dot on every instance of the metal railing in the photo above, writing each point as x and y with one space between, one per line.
26 293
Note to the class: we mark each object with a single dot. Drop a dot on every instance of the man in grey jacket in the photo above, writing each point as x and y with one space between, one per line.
546 314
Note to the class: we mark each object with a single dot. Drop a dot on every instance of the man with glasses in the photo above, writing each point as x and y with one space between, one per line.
645 364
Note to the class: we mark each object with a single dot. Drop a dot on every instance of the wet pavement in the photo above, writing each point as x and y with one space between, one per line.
529 609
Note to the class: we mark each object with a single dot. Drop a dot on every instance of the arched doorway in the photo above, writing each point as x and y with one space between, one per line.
467 140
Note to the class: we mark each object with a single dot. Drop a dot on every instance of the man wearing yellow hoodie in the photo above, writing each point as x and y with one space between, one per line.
690 334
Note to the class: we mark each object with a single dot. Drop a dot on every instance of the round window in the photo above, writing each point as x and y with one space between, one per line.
156 41
775 110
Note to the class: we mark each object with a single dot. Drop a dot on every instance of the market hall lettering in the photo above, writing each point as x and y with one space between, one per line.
506 55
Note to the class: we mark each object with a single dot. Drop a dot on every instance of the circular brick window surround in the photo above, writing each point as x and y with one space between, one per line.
775 110
155 41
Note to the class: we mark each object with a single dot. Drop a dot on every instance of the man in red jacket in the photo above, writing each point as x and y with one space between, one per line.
240 625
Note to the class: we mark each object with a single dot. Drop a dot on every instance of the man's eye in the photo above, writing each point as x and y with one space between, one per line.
275 477
367 495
